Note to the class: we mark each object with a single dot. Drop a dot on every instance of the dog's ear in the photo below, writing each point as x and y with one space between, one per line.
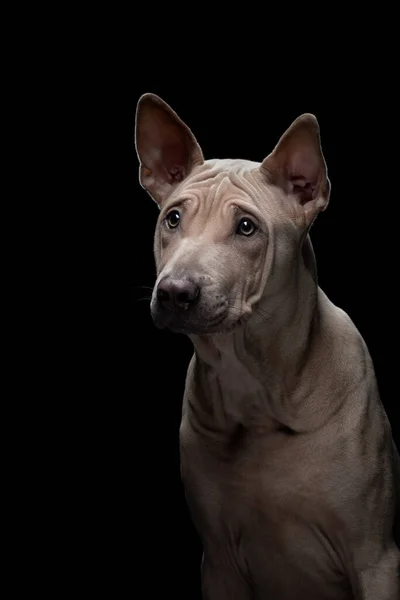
297 165
166 148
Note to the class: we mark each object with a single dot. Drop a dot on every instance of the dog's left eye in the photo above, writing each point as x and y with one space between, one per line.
246 227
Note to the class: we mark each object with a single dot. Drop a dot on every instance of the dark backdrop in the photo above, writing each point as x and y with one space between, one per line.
136 518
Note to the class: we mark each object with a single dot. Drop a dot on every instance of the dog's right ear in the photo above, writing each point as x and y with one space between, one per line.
166 148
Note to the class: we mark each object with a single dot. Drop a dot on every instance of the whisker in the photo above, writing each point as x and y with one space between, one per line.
141 293
143 287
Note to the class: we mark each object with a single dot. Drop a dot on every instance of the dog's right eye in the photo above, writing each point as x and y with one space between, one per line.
173 219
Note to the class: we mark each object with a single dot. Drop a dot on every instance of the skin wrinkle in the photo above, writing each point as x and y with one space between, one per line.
213 199
243 358
216 190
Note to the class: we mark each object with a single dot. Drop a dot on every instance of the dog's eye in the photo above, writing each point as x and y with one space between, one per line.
246 227
172 219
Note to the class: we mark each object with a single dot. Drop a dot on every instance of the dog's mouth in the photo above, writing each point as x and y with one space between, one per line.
191 324
188 325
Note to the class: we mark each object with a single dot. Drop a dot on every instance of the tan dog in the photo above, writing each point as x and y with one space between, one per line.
288 462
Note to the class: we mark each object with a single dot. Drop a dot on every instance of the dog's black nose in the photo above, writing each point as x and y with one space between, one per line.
177 294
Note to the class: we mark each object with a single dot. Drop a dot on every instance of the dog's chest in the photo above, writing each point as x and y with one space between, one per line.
264 513
259 473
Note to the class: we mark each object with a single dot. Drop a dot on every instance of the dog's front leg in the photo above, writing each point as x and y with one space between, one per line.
381 581
221 581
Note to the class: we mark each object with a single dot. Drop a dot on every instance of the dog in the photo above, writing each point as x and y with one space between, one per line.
291 474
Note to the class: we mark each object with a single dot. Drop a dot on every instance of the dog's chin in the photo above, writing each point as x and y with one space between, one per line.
190 326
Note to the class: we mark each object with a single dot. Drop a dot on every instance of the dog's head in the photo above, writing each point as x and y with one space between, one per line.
229 231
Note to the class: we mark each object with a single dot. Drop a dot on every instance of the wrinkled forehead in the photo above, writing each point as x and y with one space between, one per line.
220 181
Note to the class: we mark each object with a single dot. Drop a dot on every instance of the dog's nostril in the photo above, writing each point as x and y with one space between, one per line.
183 298
162 294
177 294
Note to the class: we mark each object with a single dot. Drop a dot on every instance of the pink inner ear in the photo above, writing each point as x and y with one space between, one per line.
175 160
303 188
304 165
176 173
304 170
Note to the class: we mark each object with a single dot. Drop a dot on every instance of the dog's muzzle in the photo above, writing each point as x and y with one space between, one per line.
184 306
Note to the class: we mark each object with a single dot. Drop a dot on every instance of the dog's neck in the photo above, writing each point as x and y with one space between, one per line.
251 374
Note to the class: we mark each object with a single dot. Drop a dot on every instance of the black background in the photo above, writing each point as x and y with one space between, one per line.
135 517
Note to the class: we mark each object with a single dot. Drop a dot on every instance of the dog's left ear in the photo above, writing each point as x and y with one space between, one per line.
297 165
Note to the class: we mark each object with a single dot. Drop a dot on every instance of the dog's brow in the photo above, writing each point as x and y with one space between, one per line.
243 206
176 203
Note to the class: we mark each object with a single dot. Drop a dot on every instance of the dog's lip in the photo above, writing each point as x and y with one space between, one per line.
188 326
